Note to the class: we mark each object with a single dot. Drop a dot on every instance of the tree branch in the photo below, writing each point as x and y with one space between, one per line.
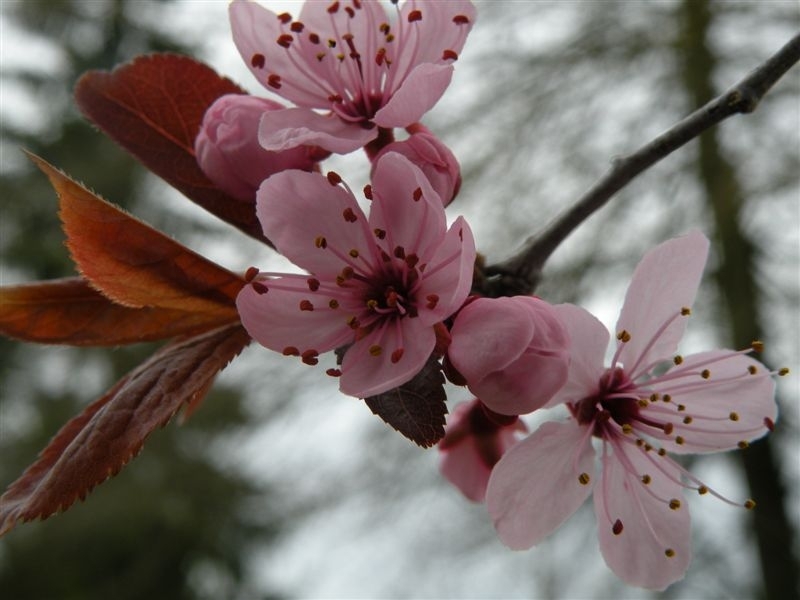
520 273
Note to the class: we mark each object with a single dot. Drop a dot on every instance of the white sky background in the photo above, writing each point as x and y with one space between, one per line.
365 545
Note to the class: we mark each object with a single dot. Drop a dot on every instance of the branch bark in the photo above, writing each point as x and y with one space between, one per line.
520 273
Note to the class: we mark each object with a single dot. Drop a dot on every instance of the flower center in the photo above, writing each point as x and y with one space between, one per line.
615 400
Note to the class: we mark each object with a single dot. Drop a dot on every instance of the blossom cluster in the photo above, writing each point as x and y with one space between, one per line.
393 289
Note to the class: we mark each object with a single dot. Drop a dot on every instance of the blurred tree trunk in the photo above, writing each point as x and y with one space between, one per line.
737 285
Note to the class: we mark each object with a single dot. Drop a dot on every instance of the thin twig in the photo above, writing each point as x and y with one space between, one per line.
520 273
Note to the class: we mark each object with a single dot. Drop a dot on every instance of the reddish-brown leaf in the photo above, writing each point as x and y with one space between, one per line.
417 408
133 264
153 107
70 311
96 444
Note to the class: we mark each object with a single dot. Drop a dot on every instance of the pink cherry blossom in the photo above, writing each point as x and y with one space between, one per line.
376 286
512 352
637 411
228 151
351 59
435 159
475 439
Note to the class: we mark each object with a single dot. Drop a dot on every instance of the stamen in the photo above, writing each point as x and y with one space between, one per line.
617 528
583 478
375 350
291 351
309 357
669 553
334 178
306 305
257 61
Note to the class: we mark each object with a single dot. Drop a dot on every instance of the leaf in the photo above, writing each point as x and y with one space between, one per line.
133 264
96 444
153 108
70 311
417 408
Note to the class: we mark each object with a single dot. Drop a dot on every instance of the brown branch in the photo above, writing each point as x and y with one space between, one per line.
520 273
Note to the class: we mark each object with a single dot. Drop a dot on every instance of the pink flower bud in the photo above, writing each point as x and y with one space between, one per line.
228 151
475 439
513 352
435 160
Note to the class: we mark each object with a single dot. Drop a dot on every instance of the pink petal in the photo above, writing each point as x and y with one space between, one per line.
589 340
535 487
664 282
298 209
420 91
637 555
448 273
364 374
275 320
292 127
729 407
255 31
406 207
463 466
437 31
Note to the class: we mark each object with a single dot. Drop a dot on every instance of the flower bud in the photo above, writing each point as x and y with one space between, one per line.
436 160
475 439
513 352
228 151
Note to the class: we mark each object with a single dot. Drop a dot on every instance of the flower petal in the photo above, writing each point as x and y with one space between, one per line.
664 282
651 531
463 466
275 320
292 127
448 274
420 91
406 207
299 210
588 343
735 404
367 371
535 487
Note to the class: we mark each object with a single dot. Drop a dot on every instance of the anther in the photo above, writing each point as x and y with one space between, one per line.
368 192
333 372
399 252
667 428
432 299
705 374
617 528
350 12
678 359
646 479
349 215
306 305
334 178
757 346
666 398
643 403
291 351
297 27
583 478
624 337
309 357
397 355
449 55
353 253
375 350
627 429
783 371
734 416
749 504
259 288
380 56
681 407
250 274
686 311
379 233
702 490
284 17
333 8
414 15
752 369
411 260
257 61
285 40
417 194
662 452
687 420
669 552
313 38
334 303
274 81
743 445
769 423
313 284
674 504
679 440
320 242
460 19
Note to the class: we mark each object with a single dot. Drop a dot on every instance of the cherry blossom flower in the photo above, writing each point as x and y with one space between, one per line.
638 411
377 286
228 151
348 58
513 352
435 159
475 439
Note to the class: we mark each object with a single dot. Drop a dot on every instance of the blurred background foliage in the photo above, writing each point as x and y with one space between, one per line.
280 487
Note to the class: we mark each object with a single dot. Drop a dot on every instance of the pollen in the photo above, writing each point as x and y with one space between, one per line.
733 416
674 504
624 337
375 350
584 478
669 553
